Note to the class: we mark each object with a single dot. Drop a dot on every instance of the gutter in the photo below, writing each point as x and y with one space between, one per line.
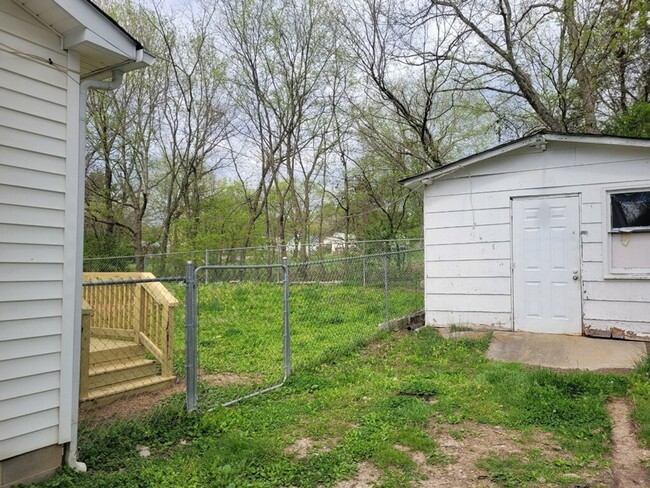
84 88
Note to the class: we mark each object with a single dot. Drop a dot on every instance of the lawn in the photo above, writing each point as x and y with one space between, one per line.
240 324
402 408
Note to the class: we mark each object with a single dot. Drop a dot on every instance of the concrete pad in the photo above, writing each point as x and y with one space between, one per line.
565 352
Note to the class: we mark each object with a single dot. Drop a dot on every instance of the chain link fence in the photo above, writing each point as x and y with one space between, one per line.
155 348
172 264
258 324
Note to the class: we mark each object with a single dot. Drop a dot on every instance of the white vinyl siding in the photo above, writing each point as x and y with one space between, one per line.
468 237
33 130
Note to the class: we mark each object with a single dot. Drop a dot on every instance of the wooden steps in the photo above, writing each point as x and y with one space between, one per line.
110 393
118 371
105 350
118 368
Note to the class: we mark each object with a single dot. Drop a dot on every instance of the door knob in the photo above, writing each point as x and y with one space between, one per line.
575 277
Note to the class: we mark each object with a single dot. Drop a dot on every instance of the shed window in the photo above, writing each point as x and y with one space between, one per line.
630 211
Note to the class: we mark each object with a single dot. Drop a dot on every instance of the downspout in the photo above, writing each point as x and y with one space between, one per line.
84 87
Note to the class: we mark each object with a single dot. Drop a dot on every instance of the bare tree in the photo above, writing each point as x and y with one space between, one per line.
281 51
624 43
537 52
122 129
194 123
407 64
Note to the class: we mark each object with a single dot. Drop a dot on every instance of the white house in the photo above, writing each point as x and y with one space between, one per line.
51 53
548 233
337 242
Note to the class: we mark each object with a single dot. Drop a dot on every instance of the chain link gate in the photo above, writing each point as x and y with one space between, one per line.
244 338
236 362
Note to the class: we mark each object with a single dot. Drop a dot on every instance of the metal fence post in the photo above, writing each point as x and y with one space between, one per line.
285 320
191 349
206 264
386 284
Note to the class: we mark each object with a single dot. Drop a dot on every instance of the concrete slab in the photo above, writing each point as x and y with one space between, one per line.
565 352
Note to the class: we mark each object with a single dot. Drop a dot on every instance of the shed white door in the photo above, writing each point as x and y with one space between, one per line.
546 262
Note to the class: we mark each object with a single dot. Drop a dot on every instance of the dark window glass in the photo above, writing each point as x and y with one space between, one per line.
631 209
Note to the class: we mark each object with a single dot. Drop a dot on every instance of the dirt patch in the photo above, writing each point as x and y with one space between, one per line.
228 379
133 406
305 447
379 347
141 404
463 445
376 348
367 477
628 459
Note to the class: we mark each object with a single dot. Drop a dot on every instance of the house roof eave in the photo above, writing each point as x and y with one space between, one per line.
102 44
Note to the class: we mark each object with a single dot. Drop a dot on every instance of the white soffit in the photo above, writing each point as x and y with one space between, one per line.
100 42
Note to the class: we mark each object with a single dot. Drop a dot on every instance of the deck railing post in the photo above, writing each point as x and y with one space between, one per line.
84 362
191 343
141 312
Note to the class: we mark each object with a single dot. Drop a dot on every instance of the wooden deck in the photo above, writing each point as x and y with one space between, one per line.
127 337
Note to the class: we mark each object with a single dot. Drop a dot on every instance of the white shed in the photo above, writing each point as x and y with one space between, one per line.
548 233
51 51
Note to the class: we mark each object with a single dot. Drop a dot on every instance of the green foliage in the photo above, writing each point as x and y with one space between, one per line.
114 446
221 221
634 123
419 386
572 405
640 392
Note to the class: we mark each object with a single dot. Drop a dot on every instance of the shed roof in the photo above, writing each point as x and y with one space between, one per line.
103 45
538 139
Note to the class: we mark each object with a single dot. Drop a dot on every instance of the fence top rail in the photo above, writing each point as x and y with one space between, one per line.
305 263
353 258
239 266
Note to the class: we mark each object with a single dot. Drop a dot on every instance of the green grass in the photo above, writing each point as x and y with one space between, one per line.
640 392
240 325
364 404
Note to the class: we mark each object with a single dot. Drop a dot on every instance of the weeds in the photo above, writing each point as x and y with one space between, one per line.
640 390
374 408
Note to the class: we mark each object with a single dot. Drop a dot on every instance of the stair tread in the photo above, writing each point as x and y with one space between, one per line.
126 386
129 350
104 344
118 365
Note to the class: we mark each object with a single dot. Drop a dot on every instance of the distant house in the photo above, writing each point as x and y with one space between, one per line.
296 245
548 233
338 243
51 52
